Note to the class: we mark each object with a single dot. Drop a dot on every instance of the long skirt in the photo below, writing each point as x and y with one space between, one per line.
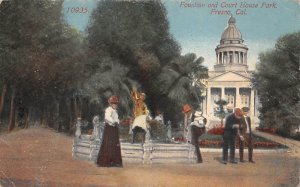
110 151
196 133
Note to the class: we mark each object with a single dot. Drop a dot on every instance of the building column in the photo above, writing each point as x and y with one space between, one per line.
208 102
245 58
236 60
223 93
233 57
222 58
218 54
228 57
242 62
239 57
252 106
237 97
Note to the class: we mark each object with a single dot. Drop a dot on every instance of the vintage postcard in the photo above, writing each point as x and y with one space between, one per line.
149 93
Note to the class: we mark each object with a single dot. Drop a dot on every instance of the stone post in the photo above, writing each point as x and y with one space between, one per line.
169 131
147 158
96 138
78 128
96 130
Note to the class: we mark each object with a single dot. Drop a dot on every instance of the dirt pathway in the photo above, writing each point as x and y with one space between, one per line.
42 157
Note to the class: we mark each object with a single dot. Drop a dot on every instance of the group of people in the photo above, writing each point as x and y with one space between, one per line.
237 126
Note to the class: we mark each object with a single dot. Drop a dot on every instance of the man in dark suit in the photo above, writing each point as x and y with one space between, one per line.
245 136
230 131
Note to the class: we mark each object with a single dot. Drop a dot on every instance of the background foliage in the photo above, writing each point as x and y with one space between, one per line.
278 83
51 74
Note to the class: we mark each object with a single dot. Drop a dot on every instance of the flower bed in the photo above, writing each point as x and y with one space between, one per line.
219 144
216 141
211 143
270 145
216 130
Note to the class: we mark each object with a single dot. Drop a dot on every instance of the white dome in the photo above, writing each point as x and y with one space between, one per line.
231 32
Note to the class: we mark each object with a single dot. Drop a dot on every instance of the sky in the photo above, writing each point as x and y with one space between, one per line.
197 25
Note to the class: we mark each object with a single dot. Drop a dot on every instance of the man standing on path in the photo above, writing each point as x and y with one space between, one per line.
245 136
230 131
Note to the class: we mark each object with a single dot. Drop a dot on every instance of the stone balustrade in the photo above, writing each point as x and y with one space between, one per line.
87 147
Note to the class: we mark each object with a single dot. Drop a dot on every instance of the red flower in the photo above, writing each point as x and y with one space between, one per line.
217 130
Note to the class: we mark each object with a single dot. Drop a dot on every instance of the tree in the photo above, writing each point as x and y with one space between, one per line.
113 80
134 37
278 83
174 85
40 56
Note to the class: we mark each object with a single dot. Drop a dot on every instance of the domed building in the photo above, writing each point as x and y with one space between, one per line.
230 80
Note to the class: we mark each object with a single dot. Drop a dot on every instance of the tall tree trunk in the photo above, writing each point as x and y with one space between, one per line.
74 114
3 94
56 115
71 115
75 107
44 117
12 114
78 107
60 115
63 115
50 117
68 115
26 119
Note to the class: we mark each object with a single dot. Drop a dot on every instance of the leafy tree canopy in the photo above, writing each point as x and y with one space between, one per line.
278 83
134 37
38 50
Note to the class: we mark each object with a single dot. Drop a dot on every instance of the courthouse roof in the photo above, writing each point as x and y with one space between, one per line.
230 76
231 32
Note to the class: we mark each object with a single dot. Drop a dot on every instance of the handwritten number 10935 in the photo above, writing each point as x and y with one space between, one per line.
75 10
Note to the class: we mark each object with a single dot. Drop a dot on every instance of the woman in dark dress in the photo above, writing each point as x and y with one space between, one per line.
110 150
197 129
195 123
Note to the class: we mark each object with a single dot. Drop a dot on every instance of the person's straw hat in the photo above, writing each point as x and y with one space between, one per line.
113 100
186 108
